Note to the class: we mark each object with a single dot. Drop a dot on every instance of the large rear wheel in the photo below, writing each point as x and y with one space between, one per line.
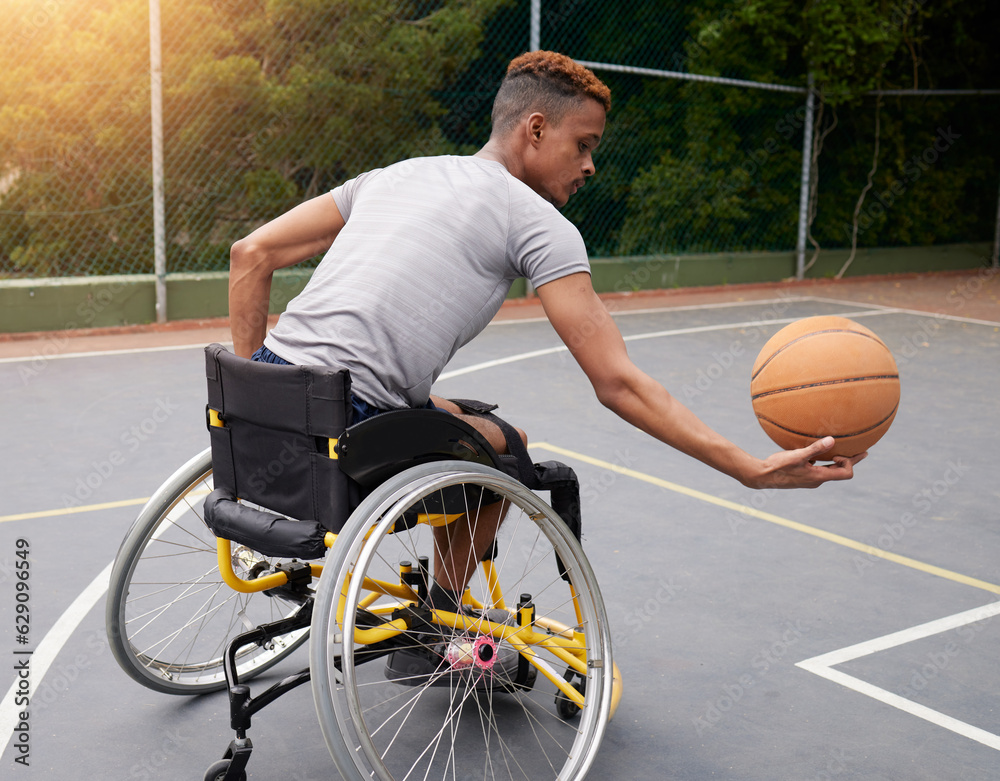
422 698
169 614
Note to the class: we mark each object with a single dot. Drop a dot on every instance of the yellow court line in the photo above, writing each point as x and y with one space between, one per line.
86 508
776 519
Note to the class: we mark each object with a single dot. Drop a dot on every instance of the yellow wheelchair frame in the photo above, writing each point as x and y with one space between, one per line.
190 612
564 642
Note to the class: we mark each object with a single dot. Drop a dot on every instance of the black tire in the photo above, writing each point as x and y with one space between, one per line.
218 770
565 707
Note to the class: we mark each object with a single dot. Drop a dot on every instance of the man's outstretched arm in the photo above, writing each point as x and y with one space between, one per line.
585 326
301 233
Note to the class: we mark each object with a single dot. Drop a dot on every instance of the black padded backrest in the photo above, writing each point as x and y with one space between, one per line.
273 445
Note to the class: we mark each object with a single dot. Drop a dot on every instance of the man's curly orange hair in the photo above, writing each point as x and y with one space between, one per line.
548 82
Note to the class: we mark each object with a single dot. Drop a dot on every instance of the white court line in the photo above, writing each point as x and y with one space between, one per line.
686 308
50 646
59 634
57 637
823 666
750 324
652 335
496 323
101 353
880 309
920 312
74 614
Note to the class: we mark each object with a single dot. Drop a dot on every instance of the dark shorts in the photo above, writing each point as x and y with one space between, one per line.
362 409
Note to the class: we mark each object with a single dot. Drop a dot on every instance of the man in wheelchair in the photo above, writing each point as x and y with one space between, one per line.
419 257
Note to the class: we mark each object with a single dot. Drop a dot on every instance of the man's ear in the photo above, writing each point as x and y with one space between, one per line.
536 126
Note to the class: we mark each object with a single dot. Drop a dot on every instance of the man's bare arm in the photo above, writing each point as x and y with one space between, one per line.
584 324
302 233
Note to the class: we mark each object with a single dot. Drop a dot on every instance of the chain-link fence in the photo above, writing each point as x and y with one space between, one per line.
267 103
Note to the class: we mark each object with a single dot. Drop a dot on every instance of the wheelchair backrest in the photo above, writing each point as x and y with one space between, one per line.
281 438
273 430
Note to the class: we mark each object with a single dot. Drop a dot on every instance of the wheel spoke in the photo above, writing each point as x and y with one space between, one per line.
454 717
169 615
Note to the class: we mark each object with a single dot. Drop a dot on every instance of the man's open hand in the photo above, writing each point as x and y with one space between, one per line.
798 468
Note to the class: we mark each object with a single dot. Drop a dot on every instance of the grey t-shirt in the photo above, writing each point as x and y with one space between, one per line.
428 254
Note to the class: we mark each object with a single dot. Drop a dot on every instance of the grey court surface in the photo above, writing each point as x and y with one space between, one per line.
845 633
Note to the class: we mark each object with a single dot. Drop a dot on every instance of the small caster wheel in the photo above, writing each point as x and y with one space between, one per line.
565 707
218 770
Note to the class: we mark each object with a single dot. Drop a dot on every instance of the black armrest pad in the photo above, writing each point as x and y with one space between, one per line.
265 532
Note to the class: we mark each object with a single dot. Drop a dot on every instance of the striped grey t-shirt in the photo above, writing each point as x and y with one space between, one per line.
428 254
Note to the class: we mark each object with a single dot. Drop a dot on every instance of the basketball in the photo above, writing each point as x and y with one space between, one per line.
825 376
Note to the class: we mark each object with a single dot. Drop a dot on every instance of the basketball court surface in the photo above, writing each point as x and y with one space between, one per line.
844 633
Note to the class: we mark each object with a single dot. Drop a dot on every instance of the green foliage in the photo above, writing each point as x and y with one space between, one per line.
269 102
728 178
265 103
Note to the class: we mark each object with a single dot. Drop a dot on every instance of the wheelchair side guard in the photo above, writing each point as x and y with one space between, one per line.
564 496
374 450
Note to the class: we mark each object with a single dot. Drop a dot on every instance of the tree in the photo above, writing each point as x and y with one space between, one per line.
265 103
74 129
726 181
730 179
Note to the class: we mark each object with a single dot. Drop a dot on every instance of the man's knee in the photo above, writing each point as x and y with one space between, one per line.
492 433
489 430
496 438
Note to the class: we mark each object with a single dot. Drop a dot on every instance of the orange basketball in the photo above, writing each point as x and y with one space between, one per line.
825 376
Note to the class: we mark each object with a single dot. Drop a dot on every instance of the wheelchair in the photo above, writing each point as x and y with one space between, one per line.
330 544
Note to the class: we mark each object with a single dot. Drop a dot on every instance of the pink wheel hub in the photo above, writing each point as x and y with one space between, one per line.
481 653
